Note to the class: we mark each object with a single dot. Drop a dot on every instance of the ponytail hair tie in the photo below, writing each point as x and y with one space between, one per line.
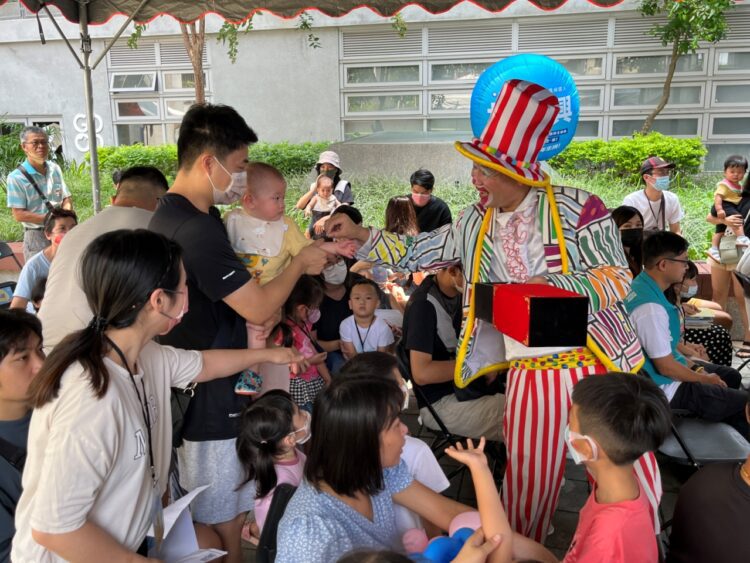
99 324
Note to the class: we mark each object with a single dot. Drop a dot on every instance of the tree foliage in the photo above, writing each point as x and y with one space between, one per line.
688 23
229 36
305 23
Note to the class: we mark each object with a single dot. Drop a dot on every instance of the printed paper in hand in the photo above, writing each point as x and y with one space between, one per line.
180 544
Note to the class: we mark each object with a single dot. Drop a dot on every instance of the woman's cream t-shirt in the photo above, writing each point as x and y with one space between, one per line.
88 458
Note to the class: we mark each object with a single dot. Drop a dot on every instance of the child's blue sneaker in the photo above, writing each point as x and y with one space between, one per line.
249 383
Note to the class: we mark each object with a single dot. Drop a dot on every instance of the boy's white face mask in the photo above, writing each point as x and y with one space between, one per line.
578 458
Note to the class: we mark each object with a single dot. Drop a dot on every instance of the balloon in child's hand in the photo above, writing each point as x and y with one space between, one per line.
414 540
469 520
442 550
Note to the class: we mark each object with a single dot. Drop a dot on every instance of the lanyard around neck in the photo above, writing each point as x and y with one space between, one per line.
143 402
662 213
361 341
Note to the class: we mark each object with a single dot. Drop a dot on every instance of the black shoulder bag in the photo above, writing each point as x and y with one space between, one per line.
26 175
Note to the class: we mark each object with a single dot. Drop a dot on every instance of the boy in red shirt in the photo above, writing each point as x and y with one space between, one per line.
614 419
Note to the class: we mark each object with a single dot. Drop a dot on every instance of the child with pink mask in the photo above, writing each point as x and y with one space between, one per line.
266 240
56 224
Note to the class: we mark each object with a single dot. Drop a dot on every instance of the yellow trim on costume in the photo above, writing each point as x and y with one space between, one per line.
593 348
489 164
461 355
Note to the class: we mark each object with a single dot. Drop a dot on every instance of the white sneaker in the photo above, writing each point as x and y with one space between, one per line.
743 241
714 253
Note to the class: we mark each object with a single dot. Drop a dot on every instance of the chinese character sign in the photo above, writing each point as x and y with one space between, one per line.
540 70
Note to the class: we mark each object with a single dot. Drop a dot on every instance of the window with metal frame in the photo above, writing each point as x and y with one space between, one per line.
649 96
673 126
391 74
633 65
132 82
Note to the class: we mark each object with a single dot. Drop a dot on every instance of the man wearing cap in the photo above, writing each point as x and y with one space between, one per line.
524 230
34 188
660 208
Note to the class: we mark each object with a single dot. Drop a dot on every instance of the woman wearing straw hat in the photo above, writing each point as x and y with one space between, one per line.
329 164
553 235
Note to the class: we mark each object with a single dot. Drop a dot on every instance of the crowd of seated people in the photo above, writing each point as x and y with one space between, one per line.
140 357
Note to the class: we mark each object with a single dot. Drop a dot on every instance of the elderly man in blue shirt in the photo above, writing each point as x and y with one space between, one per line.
34 188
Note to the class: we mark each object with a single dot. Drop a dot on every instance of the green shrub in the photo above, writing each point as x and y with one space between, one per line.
290 158
11 154
622 158
163 157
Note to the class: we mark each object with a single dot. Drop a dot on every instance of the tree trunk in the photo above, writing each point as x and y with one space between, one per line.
665 92
195 39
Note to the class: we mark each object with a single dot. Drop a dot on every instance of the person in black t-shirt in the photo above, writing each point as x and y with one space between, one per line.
427 350
712 513
212 155
432 212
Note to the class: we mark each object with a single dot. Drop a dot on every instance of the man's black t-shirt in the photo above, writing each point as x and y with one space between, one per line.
213 272
420 334
711 517
433 215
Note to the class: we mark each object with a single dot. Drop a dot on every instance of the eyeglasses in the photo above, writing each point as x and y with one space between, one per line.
680 260
37 144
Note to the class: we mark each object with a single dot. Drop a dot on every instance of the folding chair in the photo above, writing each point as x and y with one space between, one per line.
6 293
696 442
266 552
7 252
442 438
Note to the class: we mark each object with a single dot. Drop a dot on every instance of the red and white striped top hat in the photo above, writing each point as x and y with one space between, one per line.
516 131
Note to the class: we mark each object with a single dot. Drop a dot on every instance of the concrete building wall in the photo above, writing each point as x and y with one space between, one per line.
285 90
45 83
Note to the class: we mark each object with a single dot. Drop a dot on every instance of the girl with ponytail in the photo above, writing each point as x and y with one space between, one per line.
100 435
271 428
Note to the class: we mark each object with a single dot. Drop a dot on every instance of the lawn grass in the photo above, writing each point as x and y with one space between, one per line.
372 196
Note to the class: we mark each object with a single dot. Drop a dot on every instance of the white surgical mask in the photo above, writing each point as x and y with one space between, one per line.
305 428
405 391
578 458
234 191
691 292
336 273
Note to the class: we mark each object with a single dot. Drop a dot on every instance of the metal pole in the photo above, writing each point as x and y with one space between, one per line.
83 18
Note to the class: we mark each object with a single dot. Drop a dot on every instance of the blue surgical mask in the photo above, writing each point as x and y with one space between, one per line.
662 183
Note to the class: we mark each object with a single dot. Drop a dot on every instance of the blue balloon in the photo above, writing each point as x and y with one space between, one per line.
540 70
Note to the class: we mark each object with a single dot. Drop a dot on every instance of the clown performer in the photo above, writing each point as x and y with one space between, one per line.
524 230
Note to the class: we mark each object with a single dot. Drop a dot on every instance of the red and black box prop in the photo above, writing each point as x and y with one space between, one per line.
534 314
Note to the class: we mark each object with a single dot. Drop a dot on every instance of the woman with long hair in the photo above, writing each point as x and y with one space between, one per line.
101 432
354 474
630 222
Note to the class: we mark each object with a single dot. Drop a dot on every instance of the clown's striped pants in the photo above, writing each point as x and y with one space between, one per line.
536 412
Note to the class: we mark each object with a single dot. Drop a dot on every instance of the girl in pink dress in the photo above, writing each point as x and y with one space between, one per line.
301 311
271 428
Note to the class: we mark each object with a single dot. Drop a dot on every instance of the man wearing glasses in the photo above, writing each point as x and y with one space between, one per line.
658 325
34 188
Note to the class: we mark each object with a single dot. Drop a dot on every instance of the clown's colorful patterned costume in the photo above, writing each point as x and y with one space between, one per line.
581 252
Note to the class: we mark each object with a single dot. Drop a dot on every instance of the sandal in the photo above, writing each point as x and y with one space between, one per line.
744 351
